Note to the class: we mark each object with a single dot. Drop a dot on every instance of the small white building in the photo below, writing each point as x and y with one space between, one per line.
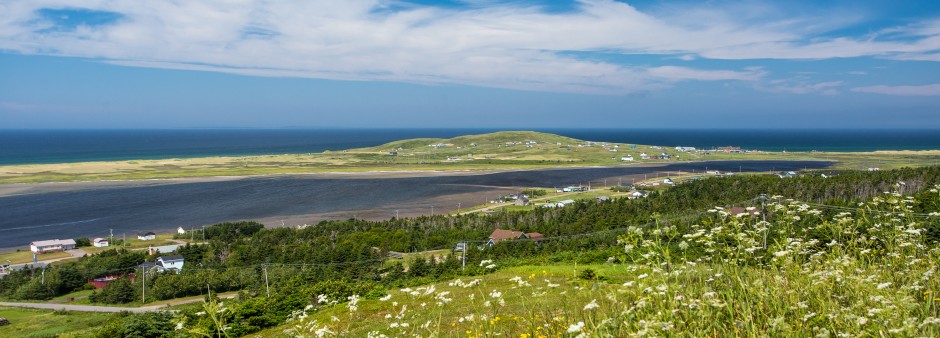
52 245
627 158
181 231
100 242
174 262
147 236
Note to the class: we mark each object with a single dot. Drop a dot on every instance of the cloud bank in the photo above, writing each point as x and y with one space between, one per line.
501 45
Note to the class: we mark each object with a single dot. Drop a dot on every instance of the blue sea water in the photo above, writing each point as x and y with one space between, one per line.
60 146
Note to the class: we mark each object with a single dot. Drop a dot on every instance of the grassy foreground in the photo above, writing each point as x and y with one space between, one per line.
495 151
47 323
867 272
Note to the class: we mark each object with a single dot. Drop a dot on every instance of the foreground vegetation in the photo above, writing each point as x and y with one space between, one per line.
495 151
842 257
866 272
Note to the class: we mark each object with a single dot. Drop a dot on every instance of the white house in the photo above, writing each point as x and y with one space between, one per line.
52 245
564 203
637 194
669 181
181 231
147 236
100 242
644 156
627 158
174 262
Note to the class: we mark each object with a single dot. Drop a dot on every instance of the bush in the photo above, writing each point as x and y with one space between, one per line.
118 291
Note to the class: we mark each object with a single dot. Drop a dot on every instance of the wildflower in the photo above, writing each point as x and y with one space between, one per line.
592 305
485 262
575 328
883 285
496 294
387 297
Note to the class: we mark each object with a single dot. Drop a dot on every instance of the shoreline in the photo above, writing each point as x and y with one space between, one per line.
11 189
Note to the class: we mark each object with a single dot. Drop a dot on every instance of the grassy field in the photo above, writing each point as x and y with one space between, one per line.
856 273
20 257
496 151
133 243
47 323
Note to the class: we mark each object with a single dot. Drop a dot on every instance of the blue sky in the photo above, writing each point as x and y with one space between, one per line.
476 63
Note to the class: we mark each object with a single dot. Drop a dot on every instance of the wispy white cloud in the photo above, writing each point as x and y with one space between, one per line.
800 85
494 45
925 90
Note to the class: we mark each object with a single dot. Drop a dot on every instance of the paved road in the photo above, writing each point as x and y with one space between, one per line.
95 308
85 308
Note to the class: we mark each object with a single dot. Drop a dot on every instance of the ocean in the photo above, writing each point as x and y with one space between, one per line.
62 146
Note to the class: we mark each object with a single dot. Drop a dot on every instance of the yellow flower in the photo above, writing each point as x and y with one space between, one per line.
524 335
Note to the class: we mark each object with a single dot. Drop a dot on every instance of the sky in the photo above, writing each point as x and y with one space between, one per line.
469 64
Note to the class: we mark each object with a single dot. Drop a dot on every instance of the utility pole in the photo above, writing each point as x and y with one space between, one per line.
396 213
143 284
266 287
111 239
43 276
432 210
464 256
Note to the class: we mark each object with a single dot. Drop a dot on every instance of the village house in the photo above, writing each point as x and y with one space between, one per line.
147 236
644 156
52 245
522 200
100 242
627 158
174 262
181 231
500 235
637 194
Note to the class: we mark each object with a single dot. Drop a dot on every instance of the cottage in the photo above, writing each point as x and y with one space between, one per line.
147 236
644 156
181 231
500 235
564 203
174 262
627 158
52 245
522 200
669 181
637 194
100 242
101 282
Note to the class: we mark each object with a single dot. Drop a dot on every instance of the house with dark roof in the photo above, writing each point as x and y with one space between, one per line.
147 236
174 262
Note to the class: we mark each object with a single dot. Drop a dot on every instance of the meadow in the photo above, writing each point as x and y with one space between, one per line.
495 151
863 271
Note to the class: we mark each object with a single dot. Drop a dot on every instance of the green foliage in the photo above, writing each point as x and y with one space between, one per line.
118 291
534 192
143 325
82 242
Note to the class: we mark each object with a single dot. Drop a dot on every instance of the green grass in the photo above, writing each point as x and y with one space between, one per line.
47 323
856 273
490 153
20 257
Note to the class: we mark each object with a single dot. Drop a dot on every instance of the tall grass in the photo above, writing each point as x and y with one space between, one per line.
864 271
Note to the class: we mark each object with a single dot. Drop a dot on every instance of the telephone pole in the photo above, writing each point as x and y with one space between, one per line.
266 287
